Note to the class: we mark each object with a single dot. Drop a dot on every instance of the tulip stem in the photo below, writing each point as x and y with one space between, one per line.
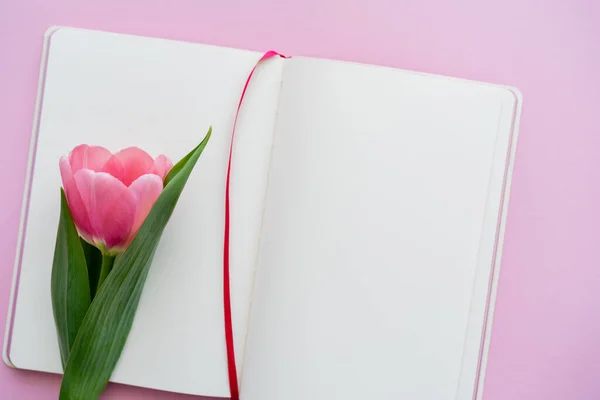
107 264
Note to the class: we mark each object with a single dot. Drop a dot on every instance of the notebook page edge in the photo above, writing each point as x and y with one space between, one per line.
25 197
489 251
516 92
500 245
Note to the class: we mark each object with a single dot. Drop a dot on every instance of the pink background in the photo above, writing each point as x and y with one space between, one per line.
546 336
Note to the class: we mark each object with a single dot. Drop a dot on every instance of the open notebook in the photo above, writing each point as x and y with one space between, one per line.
368 210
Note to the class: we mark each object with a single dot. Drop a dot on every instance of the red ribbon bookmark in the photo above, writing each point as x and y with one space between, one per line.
231 367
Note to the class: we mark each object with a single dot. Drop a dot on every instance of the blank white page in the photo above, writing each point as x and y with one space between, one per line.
378 237
118 91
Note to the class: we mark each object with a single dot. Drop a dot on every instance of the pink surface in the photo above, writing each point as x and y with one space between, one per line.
546 335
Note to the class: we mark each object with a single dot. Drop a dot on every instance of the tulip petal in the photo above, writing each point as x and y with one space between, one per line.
114 167
76 204
111 206
136 162
162 166
90 157
146 190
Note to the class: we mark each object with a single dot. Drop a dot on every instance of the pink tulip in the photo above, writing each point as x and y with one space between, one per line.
110 195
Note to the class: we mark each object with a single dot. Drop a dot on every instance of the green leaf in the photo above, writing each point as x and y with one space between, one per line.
106 326
183 162
93 259
69 285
